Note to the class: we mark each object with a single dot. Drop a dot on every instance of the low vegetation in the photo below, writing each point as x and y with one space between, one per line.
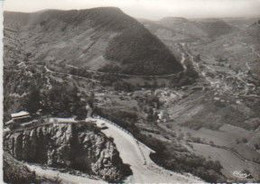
16 173
139 51
60 100
196 125
175 160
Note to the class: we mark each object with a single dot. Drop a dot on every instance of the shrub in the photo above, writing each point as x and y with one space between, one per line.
244 140
210 171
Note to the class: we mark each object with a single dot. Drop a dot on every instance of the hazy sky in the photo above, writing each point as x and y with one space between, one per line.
151 9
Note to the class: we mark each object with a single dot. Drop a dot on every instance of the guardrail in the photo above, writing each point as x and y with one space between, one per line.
124 130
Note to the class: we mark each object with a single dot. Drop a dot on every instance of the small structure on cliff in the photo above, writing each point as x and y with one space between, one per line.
21 117
18 118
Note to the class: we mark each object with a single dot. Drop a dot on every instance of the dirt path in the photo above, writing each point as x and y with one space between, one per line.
70 75
182 62
64 178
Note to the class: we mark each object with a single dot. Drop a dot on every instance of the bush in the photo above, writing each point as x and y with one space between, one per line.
244 140
151 142
117 116
193 124
15 172
197 124
210 170
66 102
123 86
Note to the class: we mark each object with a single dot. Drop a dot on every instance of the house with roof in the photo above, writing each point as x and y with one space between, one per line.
19 118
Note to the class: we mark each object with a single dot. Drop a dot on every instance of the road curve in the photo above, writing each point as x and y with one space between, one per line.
137 156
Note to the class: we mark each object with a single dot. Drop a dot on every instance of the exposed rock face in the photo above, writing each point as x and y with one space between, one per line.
77 146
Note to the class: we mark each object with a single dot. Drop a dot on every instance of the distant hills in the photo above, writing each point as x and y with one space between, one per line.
254 30
104 39
198 29
238 39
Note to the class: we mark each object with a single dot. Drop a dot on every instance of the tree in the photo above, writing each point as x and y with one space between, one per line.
62 100
91 99
244 140
198 58
32 102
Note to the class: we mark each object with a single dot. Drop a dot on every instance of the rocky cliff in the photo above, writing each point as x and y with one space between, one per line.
78 146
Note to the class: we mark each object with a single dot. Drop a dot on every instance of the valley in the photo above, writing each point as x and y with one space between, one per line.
187 89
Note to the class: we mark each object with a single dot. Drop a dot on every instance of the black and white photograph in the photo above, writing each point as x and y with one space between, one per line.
130 91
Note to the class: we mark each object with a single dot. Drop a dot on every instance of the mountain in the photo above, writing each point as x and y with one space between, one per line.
254 31
97 39
214 27
241 22
208 127
233 39
198 29
174 30
183 26
167 31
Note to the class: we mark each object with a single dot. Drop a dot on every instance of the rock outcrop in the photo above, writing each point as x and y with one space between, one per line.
78 146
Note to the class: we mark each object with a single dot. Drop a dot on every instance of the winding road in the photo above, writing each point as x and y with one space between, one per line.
132 152
137 156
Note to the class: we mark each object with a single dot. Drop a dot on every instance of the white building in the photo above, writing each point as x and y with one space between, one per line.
21 116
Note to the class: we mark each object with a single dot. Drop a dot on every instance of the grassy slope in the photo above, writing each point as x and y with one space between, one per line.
16 173
103 35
